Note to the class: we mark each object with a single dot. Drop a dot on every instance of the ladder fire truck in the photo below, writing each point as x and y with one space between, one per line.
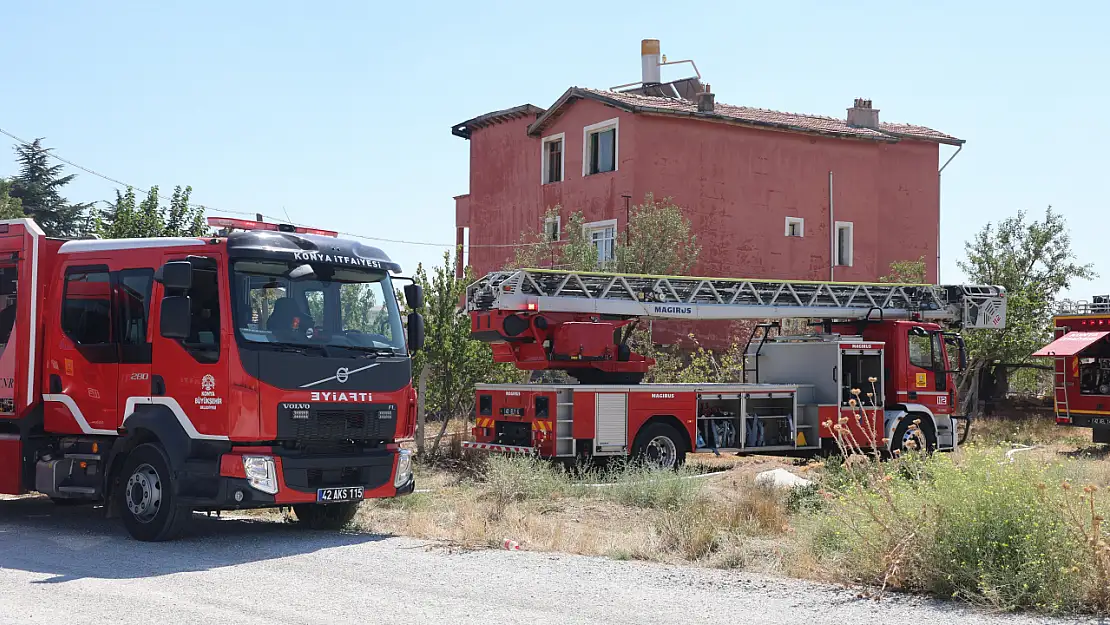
885 346
1081 353
264 366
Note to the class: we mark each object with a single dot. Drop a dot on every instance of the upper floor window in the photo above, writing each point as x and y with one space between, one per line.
603 236
795 227
844 243
600 147
553 158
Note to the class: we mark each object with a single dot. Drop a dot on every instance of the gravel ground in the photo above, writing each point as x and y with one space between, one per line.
69 565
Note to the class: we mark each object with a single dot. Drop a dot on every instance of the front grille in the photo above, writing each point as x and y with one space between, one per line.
367 422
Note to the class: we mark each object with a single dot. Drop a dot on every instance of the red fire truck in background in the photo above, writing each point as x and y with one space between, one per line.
264 366
885 346
1081 353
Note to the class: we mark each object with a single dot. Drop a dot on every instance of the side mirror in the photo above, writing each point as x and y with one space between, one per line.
175 317
414 296
416 332
176 274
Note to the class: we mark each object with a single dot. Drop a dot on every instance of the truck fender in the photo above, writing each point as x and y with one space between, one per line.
149 423
895 415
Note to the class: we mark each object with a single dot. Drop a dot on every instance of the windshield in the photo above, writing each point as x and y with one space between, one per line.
303 304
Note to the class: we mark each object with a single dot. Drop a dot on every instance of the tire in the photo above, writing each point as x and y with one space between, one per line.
147 502
320 516
661 446
925 434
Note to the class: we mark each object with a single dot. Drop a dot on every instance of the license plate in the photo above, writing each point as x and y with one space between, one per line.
512 412
335 495
1100 420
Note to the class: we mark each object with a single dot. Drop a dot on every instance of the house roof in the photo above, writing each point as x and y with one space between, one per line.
489 119
755 117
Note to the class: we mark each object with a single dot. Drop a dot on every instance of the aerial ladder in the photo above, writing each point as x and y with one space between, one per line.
581 322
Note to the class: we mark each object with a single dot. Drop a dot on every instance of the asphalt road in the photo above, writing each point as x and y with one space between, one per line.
70 565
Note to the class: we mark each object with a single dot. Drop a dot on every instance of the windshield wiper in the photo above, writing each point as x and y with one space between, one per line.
295 348
376 351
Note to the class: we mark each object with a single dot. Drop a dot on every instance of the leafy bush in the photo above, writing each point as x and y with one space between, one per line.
983 529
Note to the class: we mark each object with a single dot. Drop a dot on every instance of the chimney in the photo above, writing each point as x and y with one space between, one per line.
861 114
706 101
649 61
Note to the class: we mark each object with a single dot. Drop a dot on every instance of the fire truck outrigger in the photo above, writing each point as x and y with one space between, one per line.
794 387
1081 373
261 367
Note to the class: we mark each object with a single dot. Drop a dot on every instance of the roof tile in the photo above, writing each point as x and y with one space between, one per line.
764 117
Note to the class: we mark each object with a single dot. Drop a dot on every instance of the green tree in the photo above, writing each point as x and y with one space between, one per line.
455 361
545 249
906 272
10 207
127 220
38 186
1034 261
659 240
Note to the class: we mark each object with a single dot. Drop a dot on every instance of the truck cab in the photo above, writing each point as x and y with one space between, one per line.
263 367
1080 355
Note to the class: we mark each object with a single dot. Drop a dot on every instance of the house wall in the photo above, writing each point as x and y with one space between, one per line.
737 185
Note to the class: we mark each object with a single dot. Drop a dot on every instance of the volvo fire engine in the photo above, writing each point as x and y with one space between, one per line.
1081 356
264 366
885 358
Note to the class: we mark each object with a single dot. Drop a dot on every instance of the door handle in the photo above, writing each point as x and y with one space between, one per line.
157 385
55 383
834 373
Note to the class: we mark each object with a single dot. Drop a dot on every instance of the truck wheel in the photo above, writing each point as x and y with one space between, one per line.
318 516
922 438
148 503
660 446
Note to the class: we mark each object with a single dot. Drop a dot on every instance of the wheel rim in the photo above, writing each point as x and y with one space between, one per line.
918 438
143 495
661 452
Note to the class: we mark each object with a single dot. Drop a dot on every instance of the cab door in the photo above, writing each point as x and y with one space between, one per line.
84 362
189 376
928 370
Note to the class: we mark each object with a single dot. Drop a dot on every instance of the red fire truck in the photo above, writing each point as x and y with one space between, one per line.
264 366
884 351
1082 365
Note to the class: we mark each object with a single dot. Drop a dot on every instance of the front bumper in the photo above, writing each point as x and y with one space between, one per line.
299 479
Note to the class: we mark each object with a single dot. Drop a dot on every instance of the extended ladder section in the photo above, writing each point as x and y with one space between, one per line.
670 297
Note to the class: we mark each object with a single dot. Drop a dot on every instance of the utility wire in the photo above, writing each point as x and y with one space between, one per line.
270 217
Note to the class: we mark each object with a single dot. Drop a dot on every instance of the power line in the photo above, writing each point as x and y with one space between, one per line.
270 217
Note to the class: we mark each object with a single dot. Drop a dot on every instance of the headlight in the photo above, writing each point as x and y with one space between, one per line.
404 468
261 473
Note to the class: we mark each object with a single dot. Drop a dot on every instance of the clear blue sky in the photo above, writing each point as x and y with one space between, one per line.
340 112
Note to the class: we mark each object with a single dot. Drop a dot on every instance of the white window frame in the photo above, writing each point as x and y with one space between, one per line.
544 158
850 227
796 221
558 221
615 124
595 226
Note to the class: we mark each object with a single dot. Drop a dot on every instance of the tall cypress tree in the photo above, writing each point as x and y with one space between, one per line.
38 186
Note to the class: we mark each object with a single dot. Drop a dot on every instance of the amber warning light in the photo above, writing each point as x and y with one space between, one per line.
244 224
